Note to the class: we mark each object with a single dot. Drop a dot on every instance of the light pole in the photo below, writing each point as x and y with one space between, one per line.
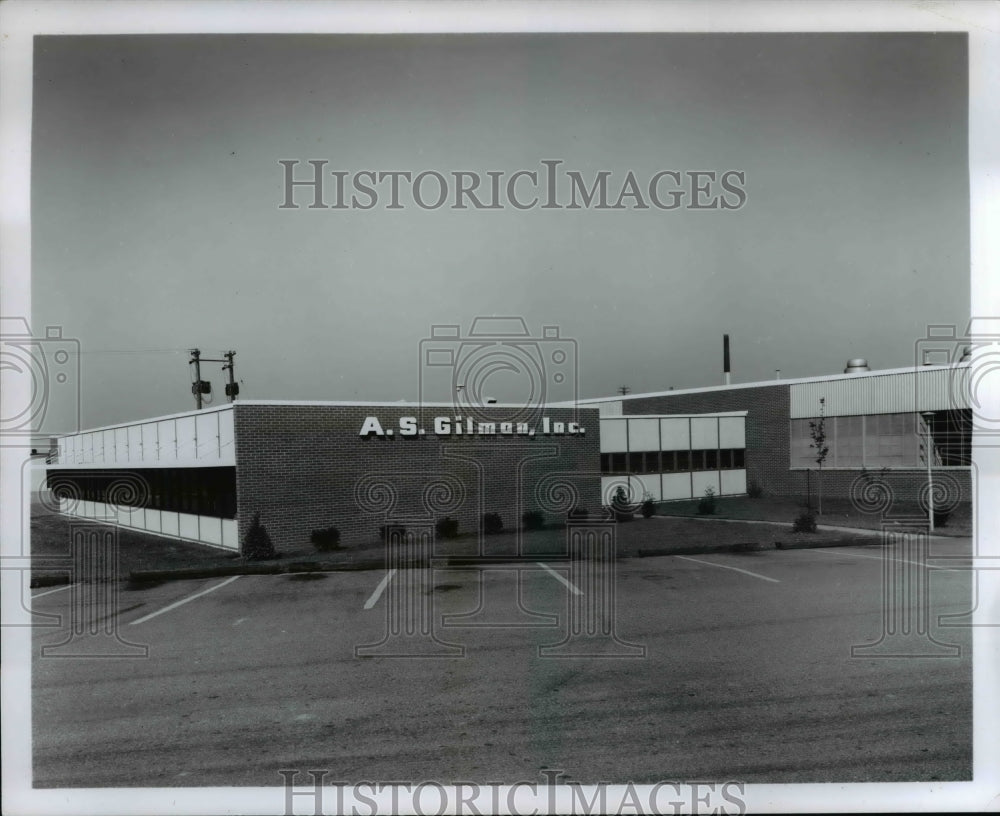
928 455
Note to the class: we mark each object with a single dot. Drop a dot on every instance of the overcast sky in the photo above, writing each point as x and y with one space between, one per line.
156 190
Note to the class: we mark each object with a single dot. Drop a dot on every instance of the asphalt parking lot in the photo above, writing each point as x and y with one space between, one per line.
716 666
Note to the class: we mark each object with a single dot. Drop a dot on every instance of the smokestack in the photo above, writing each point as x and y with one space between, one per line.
725 357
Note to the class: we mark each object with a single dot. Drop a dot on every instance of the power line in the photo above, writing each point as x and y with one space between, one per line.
126 351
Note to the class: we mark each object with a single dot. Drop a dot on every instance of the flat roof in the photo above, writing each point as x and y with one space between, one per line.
583 403
770 383
319 403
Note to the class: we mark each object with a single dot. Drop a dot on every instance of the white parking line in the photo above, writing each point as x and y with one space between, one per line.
558 577
379 589
900 560
50 591
183 601
734 569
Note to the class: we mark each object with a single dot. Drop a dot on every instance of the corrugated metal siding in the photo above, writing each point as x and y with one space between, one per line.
610 409
936 389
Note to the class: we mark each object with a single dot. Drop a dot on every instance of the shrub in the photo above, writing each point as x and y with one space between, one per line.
620 507
706 504
579 514
648 507
533 520
492 523
387 530
326 540
446 527
805 523
755 489
257 544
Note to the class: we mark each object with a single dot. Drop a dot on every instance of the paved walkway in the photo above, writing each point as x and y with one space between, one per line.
823 527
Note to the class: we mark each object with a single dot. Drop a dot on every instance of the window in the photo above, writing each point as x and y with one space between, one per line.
884 440
614 463
199 491
848 443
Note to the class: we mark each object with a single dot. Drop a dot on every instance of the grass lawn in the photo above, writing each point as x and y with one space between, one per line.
50 536
836 512
50 544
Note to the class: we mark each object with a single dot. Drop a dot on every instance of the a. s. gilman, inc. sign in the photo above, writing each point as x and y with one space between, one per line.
467 426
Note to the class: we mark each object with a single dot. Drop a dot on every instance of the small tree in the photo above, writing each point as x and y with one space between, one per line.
817 430
706 504
257 545
648 506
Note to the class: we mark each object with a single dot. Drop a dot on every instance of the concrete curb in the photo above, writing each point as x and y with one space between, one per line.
844 542
823 528
285 568
753 546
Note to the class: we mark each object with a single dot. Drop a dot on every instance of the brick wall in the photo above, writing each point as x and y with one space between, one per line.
300 466
767 426
768 434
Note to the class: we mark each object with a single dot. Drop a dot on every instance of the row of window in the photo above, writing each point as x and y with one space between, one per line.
885 440
682 461
199 491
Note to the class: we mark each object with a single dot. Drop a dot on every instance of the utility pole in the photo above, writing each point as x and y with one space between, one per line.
232 388
928 417
623 389
200 386
196 387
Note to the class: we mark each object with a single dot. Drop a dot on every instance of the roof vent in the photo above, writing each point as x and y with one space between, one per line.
856 366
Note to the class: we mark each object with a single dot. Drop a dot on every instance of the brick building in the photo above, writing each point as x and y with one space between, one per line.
304 466
877 424
203 475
